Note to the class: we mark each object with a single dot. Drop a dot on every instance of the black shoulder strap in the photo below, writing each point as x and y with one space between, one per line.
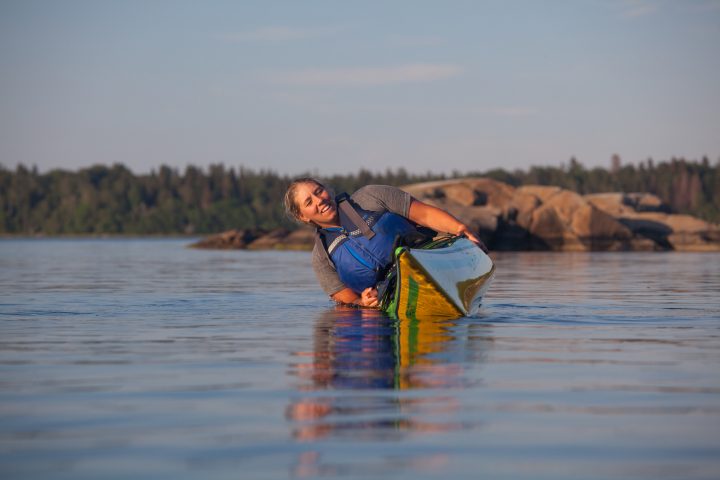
353 215
320 245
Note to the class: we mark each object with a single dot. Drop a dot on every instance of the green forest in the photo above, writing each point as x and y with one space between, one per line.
114 200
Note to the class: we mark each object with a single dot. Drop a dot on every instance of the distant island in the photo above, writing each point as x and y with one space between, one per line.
673 204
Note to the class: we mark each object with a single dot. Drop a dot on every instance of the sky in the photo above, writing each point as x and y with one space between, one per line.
330 87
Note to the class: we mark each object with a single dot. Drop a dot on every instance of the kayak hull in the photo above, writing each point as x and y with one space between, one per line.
444 282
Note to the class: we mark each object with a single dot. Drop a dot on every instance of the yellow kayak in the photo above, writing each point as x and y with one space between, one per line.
446 279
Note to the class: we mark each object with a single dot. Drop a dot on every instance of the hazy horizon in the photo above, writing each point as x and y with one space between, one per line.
380 170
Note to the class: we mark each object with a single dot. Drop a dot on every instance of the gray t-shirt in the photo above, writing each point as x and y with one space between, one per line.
370 197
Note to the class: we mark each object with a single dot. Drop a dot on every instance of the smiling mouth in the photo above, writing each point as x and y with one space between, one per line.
325 209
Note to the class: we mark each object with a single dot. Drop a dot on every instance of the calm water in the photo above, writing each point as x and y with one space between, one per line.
145 359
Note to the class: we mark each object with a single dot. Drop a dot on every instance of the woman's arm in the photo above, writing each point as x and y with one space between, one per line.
440 220
349 297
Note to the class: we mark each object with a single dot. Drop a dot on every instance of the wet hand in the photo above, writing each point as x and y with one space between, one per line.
369 298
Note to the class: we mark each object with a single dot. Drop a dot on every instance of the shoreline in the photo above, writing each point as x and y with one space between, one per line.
297 247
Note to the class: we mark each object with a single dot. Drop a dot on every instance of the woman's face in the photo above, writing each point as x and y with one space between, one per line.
316 205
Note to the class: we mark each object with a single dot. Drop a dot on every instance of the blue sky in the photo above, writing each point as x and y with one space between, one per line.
331 86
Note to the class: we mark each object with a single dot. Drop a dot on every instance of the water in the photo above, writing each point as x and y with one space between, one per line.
145 359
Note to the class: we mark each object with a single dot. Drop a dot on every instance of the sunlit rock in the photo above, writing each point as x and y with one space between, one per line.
229 240
645 215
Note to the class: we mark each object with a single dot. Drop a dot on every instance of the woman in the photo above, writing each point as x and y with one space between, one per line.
349 258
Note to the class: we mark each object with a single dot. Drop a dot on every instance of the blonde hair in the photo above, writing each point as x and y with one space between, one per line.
292 209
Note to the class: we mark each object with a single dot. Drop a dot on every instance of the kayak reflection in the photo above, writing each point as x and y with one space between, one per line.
354 380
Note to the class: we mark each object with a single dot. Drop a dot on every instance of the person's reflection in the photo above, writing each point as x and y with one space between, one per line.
365 351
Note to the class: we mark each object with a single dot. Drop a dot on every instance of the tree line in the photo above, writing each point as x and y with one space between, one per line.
114 200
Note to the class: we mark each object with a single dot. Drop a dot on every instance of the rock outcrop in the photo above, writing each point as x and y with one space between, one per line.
300 239
230 240
647 216
532 217
257 239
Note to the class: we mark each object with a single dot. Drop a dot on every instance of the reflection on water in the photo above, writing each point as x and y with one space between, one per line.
363 350
358 382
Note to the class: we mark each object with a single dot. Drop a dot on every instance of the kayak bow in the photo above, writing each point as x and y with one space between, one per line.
445 279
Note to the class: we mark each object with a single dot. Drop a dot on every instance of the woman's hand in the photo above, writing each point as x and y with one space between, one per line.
369 298
440 220
464 230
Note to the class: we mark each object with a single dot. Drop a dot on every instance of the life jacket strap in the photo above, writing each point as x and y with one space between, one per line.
353 215
334 244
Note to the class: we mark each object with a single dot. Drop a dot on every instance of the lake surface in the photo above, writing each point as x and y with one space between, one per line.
145 359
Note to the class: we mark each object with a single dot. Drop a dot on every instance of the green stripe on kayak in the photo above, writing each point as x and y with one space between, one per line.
412 298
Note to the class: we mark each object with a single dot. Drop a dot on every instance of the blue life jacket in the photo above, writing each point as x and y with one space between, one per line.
361 262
